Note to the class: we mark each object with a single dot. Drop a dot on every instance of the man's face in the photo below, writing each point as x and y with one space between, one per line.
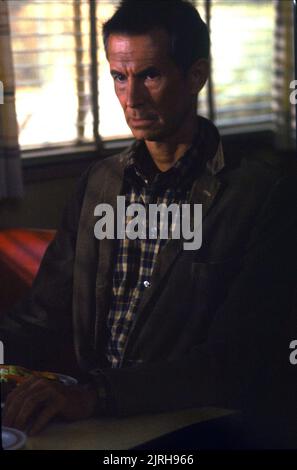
152 90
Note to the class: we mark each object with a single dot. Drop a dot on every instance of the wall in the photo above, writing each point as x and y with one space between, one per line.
41 206
47 190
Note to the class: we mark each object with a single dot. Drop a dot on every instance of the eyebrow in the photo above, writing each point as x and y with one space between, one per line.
140 74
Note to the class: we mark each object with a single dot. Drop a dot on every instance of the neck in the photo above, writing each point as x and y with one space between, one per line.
166 153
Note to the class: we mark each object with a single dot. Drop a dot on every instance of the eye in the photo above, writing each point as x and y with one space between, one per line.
119 77
152 75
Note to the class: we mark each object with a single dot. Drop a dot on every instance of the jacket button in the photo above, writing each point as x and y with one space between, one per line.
146 283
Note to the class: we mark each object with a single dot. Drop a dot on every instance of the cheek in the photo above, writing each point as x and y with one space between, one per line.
120 96
162 99
170 103
172 97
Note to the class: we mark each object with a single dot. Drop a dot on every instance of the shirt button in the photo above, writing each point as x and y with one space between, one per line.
146 283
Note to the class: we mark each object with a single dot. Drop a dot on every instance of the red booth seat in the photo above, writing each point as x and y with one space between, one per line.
21 251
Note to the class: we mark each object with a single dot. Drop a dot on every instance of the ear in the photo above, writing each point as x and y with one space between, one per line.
198 75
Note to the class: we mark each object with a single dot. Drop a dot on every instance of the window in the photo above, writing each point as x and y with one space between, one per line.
51 45
242 42
63 88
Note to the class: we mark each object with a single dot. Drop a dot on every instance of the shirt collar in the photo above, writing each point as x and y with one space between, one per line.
206 150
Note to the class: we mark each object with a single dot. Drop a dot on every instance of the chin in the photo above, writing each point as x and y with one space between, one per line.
147 134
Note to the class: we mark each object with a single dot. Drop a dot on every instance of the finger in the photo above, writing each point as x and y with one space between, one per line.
12 408
31 406
40 382
31 385
16 399
43 418
20 388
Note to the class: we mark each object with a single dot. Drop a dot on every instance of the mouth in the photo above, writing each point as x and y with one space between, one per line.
141 122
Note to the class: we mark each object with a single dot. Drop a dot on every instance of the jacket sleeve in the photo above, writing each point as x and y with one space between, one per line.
33 331
244 363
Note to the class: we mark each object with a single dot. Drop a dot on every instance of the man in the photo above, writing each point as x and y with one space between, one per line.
157 327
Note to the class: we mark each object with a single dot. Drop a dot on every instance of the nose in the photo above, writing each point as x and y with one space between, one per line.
135 94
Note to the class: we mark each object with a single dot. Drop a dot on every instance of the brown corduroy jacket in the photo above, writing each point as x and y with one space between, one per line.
214 326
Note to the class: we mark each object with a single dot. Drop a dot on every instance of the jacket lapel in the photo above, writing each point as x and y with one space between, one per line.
113 181
93 266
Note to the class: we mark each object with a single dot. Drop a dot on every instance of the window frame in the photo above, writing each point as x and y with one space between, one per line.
72 162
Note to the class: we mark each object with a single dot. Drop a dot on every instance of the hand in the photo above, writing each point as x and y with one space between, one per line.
31 405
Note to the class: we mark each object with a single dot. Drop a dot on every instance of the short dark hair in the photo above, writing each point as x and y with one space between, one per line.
189 36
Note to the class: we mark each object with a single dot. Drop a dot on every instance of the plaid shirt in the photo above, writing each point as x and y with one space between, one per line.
135 259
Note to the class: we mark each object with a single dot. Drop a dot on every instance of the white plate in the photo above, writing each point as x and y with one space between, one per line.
12 439
66 379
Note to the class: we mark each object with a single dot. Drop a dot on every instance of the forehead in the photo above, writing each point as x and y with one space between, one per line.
147 49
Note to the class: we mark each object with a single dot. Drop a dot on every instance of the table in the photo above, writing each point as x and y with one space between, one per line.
118 433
